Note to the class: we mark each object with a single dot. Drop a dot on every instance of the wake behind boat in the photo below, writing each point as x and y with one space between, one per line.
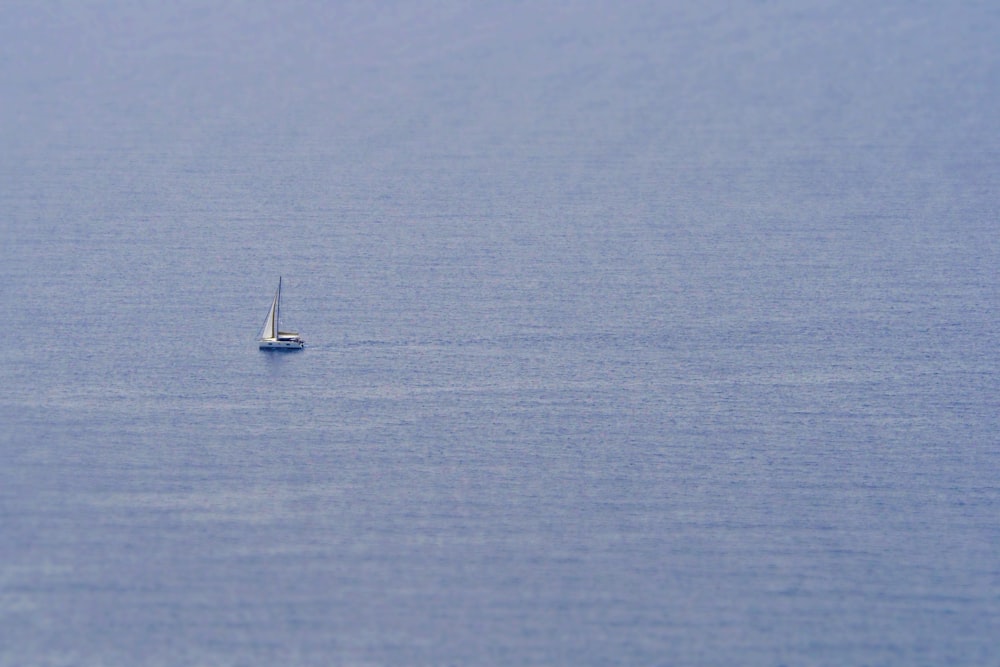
271 337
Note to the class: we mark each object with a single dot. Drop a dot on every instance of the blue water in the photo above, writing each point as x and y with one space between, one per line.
664 334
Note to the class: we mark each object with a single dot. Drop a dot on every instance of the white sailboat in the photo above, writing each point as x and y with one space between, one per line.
270 337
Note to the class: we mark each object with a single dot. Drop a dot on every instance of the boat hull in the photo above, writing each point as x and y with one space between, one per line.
281 344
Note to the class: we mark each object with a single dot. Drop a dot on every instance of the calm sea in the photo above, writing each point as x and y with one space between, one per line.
655 333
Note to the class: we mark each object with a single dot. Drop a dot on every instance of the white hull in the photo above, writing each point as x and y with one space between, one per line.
281 344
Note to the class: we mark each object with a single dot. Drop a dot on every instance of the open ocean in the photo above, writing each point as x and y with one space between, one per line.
649 333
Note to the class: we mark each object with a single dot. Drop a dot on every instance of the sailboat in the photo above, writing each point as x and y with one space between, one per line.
271 338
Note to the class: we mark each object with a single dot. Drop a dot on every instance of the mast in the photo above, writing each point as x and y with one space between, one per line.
277 307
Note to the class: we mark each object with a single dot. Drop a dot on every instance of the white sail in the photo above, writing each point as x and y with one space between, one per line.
269 330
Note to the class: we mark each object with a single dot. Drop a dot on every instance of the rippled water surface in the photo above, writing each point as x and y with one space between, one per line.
657 334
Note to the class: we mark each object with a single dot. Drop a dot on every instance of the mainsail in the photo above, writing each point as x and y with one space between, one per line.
270 327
